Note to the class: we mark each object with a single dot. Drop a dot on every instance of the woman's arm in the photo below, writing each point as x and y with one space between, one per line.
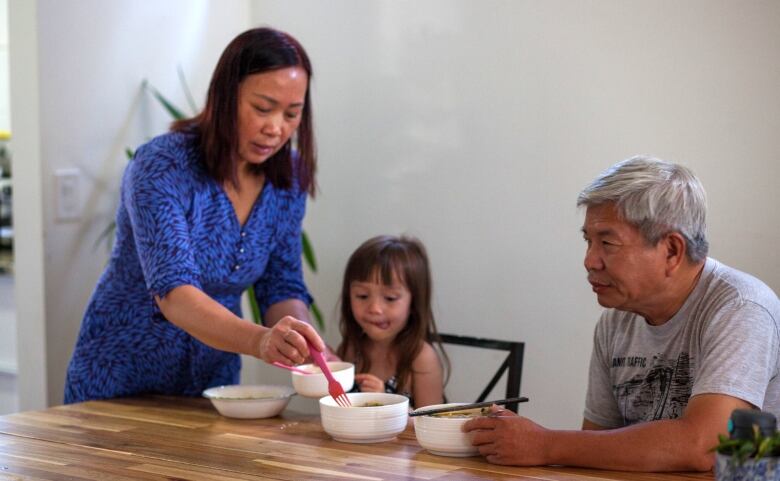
290 307
211 323
427 378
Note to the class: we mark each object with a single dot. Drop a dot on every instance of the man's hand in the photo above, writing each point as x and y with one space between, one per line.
505 438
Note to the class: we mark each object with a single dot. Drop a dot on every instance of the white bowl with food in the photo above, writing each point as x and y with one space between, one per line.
315 384
442 434
373 418
249 401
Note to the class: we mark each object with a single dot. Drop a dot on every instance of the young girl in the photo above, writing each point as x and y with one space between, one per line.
387 324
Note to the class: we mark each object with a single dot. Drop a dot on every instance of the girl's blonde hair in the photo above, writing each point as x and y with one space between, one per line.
384 259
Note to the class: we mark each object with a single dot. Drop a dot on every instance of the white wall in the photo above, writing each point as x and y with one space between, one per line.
93 57
474 125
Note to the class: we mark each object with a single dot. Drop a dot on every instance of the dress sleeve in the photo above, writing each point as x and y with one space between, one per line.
600 404
740 348
283 276
155 192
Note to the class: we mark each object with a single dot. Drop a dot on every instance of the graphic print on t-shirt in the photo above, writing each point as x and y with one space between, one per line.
659 392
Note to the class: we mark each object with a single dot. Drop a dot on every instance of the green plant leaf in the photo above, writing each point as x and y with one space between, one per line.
129 153
167 104
256 315
745 450
726 445
186 89
107 234
764 447
308 252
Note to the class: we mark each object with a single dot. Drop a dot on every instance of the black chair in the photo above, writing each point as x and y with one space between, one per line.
513 362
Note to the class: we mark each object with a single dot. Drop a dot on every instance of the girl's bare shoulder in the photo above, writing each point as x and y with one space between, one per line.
426 358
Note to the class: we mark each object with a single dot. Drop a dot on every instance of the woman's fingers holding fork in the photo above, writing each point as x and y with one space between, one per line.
286 341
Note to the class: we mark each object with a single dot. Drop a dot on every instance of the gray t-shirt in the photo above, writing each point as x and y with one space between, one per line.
725 339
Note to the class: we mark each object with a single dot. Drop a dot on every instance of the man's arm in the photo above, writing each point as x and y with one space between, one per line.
668 445
591 426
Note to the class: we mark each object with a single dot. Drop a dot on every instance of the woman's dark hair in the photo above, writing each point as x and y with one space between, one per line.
255 51
385 259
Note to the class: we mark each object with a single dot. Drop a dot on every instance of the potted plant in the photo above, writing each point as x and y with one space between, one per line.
752 452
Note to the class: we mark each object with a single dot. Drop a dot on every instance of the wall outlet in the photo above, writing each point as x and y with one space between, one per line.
67 190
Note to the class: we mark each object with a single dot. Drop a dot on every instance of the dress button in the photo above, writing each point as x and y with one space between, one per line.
241 250
243 234
236 267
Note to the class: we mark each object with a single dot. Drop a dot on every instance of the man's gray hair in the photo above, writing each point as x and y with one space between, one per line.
657 197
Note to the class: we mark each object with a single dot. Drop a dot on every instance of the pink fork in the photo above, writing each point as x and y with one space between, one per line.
334 388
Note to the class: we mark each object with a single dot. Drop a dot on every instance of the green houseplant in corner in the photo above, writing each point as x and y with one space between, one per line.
752 451
308 251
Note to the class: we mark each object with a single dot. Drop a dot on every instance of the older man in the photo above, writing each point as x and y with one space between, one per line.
683 342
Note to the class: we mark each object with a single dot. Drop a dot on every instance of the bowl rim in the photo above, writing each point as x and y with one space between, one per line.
210 393
440 419
297 374
327 399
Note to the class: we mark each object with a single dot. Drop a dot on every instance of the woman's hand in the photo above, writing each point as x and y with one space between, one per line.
369 383
285 342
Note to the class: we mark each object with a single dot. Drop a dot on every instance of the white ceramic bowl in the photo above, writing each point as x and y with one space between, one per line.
316 384
365 424
443 435
249 401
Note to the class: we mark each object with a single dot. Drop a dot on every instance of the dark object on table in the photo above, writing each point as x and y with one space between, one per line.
742 422
513 363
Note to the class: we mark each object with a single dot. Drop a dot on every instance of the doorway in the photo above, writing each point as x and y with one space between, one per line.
8 366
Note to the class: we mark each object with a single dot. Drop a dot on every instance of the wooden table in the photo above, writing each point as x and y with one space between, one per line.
181 438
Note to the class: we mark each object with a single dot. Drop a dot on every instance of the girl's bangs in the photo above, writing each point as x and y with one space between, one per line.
386 270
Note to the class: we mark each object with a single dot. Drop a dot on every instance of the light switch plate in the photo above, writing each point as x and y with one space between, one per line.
67 190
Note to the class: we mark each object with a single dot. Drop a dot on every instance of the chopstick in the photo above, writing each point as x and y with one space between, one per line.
463 407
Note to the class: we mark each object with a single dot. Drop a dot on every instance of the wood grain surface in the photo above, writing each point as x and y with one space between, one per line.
170 438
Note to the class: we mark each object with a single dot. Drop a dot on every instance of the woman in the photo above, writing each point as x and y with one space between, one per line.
206 210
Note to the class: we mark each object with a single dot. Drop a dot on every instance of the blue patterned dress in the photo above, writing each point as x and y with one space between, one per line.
175 225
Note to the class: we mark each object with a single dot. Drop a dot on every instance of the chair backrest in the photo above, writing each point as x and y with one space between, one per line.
513 362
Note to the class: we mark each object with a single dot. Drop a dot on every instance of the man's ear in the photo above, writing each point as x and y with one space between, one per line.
675 246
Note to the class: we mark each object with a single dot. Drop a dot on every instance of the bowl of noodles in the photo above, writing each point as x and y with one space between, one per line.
373 417
249 401
441 433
